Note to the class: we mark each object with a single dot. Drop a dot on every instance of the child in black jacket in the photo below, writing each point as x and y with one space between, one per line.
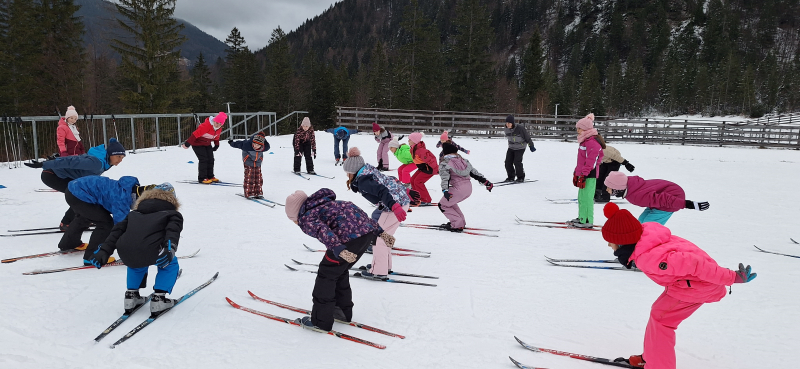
252 156
148 236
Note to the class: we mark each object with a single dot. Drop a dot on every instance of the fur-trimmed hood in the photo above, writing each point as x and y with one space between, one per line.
158 195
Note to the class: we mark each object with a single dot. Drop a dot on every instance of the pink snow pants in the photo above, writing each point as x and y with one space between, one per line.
404 172
382 254
383 152
461 191
659 337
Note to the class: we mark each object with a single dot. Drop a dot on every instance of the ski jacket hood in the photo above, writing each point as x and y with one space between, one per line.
154 194
685 270
422 155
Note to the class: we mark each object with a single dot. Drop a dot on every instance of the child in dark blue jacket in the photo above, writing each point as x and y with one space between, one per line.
148 236
252 156
341 134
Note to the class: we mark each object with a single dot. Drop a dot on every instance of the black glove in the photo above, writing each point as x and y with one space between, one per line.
489 186
230 141
166 254
54 156
701 206
628 166
99 257
447 195
533 149
215 148
414 196
425 168
34 164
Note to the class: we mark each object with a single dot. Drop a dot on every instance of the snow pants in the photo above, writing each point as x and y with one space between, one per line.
460 191
659 336
165 278
655 215
336 153
332 286
418 184
305 150
513 163
205 162
253 181
382 254
59 184
586 201
383 153
85 215
404 172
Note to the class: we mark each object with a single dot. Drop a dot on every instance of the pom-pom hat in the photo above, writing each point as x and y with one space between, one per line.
621 228
586 123
616 180
71 112
354 161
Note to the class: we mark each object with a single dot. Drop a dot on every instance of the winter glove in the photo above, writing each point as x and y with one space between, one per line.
701 206
575 180
447 195
380 163
743 275
348 256
298 154
628 166
388 239
413 195
579 181
466 152
99 257
399 212
167 253
636 361
425 168
54 156
215 147
34 164
230 141
489 186
533 149
185 144
315 155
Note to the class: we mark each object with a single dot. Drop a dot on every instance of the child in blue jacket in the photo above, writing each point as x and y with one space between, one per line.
341 134
252 156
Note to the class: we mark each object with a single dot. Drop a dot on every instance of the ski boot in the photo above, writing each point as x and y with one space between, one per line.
160 303
305 323
206 181
583 225
132 301
636 361
336 163
63 227
369 275
312 172
214 179
82 247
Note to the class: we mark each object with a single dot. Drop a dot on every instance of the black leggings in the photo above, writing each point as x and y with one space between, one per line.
205 162
59 184
305 149
86 214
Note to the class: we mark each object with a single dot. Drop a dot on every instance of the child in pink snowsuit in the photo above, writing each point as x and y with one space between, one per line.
455 172
691 278
382 137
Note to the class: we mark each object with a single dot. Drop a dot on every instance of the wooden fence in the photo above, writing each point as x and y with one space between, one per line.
782 131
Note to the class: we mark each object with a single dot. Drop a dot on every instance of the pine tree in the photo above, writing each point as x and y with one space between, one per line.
532 81
379 79
150 63
471 76
278 74
419 73
202 100
590 98
21 52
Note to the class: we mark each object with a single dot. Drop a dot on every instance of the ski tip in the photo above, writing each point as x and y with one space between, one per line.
297 262
517 363
290 268
112 346
253 295
797 243
232 303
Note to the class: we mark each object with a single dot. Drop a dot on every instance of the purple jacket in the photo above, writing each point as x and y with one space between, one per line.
655 193
590 156
334 222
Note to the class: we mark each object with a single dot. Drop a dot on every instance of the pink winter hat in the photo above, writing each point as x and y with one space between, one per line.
375 127
586 123
293 204
415 137
306 122
220 118
617 181
443 137
71 112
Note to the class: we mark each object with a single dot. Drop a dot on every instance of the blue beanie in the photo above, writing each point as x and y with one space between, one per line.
341 133
114 147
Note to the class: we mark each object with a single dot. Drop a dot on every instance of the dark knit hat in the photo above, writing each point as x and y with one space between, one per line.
449 148
621 228
341 134
510 119
114 147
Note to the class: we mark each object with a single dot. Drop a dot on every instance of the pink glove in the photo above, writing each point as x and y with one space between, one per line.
399 212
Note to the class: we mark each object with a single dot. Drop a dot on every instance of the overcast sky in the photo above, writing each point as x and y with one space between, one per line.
255 18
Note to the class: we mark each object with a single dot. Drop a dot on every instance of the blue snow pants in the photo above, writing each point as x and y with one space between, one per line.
165 279
655 215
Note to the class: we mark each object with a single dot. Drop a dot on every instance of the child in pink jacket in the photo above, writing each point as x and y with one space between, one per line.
690 278
660 198
590 155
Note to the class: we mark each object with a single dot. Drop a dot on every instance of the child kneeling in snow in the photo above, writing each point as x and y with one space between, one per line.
455 172
252 156
148 236
347 232
690 278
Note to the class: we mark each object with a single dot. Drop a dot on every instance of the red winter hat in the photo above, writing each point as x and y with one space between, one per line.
621 228
375 127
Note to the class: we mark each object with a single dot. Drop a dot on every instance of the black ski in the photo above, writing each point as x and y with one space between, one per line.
363 268
500 184
795 242
776 253
582 260
301 176
126 315
257 200
34 233
358 275
319 175
622 268
440 228
523 366
151 319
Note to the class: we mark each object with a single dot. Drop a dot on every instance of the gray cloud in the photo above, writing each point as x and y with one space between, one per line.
254 19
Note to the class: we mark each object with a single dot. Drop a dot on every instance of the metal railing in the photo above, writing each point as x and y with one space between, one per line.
26 138
777 133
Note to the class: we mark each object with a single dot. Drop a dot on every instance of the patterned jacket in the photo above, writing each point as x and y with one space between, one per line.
303 136
380 188
250 156
334 222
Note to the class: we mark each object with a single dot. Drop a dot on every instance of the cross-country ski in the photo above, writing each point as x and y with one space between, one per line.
775 253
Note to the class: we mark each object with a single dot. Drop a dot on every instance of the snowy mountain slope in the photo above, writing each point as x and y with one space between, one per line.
489 290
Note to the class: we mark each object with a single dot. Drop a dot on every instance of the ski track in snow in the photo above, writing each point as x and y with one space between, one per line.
489 289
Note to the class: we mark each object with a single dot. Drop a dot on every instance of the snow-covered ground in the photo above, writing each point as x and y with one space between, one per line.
490 290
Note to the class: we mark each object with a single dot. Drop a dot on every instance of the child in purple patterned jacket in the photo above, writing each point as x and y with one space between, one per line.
347 232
